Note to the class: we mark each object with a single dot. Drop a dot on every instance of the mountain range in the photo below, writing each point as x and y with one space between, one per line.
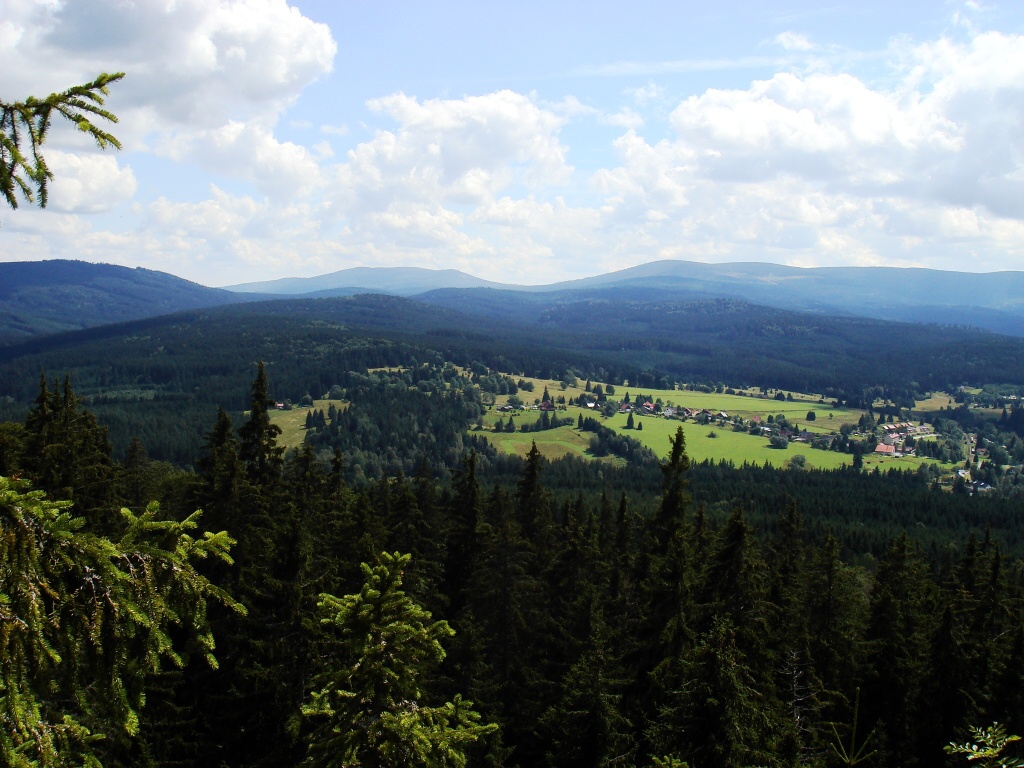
166 350
40 298
992 301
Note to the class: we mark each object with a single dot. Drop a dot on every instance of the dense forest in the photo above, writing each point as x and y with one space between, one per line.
163 379
397 593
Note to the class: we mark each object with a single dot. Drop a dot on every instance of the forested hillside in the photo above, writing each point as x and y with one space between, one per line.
740 342
592 613
44 297
162 379
608 610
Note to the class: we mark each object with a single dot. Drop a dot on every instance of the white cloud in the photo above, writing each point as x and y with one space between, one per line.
196 71
196 63
407 192
626 118
830 169
792 41
646 95
447 154
921 165
487 133
323 150
88 183
280 170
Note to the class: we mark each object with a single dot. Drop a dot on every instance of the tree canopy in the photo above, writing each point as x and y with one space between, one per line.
84 619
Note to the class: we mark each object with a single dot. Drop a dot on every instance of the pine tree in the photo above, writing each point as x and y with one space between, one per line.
136 476
505 598
836 607
417 531
716 717
68 455
12 447
464 518
667 621
258 450
371 709
88 619
533 505
898 633
670 577
587 726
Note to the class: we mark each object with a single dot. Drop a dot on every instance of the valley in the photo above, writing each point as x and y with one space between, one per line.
555 471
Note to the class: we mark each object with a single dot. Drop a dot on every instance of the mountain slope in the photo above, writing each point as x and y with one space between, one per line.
162 378
42 297
741 342
400 281
992 301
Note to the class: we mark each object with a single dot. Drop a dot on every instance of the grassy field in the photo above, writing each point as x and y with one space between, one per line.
732 446
828 419
552 443
729 445
293 422
737 447
936 402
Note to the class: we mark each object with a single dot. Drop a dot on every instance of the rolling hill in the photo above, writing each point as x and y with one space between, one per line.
991 301
42 297
165 376
399 281
39 298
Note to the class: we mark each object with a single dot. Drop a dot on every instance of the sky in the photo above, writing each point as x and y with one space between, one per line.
526 142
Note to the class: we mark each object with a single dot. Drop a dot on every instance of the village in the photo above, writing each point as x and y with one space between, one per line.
797 429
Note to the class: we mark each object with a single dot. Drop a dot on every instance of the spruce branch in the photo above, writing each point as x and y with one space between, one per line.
25 171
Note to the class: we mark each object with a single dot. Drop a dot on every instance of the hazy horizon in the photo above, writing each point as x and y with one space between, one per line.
527 144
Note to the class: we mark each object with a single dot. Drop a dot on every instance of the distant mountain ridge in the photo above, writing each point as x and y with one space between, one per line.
47 297
44 297
992 301
398 281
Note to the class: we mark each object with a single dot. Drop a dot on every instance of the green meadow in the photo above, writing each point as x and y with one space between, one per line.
703 442
293 422
827 418
736 447
713 442
552 443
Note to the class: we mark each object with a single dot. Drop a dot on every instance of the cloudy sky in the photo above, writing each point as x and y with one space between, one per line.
527 142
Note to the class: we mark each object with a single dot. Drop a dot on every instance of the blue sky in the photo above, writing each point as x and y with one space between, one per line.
527 142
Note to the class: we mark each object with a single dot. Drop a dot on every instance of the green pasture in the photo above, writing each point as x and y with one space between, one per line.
751 403
552 443
737 447
293 422
828 419
936 402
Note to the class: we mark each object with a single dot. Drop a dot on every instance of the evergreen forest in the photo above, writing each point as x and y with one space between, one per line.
395 592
